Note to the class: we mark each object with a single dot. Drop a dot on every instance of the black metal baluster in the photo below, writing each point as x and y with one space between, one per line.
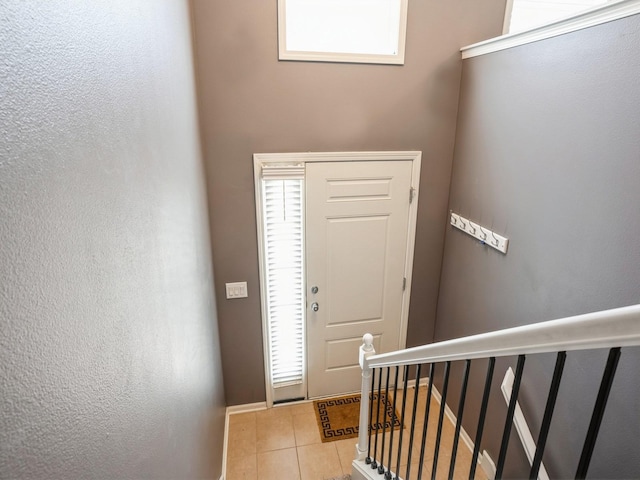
483 415
443 402
374 463
404 404
509 421
368 460
384 422
426 421
548 413
387 475
413 421
456 435
598 412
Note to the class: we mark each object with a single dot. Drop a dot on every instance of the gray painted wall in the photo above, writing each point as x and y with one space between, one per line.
548 153
252 103
109 356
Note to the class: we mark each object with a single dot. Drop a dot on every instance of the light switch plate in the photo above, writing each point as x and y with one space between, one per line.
236 290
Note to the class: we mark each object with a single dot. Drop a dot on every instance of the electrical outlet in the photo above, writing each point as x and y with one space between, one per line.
236 290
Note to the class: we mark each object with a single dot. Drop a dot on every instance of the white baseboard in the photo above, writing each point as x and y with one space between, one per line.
488 465
484 464
232 410
451 416
424 381
528 443
247 407
359 470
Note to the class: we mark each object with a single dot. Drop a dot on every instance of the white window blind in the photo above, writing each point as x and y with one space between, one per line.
284 262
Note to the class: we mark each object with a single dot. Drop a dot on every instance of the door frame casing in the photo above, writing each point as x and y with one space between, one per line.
265 159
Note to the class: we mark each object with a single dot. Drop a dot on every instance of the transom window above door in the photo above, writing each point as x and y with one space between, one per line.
360 31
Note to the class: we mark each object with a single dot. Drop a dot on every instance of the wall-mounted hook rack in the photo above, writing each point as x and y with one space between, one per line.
486 236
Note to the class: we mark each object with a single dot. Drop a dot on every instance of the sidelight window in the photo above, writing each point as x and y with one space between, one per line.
283 264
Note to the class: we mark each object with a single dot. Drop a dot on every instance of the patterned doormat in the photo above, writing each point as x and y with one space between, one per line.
338 418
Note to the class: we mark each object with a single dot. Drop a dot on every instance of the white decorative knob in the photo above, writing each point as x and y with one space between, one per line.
367 339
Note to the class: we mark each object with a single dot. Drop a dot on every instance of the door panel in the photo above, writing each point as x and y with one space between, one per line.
357 218
348 190
356 291
340 353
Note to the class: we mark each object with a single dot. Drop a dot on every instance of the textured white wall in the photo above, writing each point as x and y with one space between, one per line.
109 357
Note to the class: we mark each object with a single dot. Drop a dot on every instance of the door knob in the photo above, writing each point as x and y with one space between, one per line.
315 307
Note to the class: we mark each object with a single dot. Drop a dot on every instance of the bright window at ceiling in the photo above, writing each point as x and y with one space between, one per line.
364 31
524 15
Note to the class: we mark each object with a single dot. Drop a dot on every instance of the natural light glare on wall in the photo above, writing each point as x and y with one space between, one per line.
524 15
342 30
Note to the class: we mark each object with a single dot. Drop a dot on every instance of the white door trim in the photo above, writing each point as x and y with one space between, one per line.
265 159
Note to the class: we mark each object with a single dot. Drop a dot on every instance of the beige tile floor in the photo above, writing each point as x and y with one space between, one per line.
284 442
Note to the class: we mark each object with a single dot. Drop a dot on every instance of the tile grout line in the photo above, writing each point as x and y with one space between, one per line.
335 446
298 460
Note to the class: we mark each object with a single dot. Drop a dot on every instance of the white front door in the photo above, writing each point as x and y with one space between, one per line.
357 224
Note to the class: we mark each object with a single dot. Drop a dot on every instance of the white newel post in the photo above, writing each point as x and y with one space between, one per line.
366 350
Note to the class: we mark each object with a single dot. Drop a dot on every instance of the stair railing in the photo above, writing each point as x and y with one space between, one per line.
375 454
